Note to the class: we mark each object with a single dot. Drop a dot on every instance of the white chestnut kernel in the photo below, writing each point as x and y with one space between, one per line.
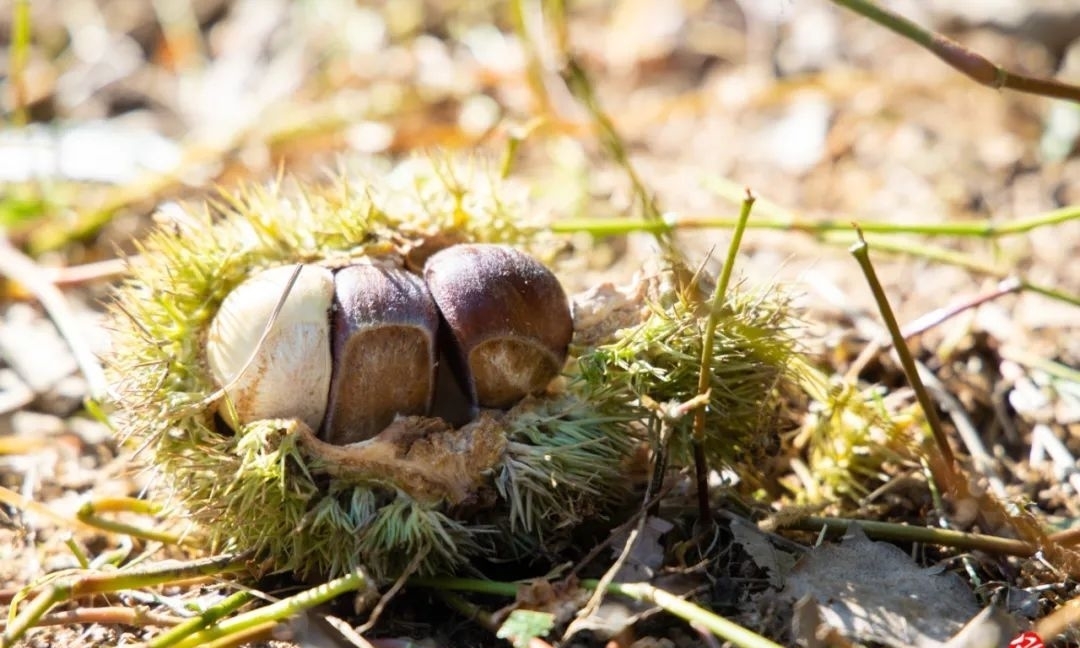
384 337
508 320
289 372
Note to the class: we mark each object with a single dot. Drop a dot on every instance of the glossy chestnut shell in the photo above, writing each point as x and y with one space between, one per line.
351 350
384 337
508 321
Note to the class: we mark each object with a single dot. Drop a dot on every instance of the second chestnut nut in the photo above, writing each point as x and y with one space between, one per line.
498 316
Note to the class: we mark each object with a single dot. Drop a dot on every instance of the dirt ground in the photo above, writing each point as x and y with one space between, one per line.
125 110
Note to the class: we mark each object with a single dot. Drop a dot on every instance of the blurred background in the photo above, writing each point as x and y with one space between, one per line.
116 107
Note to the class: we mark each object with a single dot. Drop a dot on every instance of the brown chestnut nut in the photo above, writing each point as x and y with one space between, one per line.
507 320
383 343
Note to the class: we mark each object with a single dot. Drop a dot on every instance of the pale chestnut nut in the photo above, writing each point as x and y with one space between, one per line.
385 333
508 321
289 371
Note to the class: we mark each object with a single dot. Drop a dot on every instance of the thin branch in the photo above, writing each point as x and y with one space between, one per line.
935 317
778 218
705 367
212 615
261 619
115 615
948 476
90 513
690 612
18 57
973 65
907 533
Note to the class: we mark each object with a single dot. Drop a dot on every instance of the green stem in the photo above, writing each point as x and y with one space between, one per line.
776 216
961 260
787 222
555 14
209 616
834 232
283 609
475 585
534 68
469 610
77 551
259 633
18 52
89 513
690 612
1051 368
577 81
861 253
150 576
77 586
681 608
705 369
729 264
38 607
906 533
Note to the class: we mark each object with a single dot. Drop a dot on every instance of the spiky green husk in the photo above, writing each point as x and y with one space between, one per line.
659 362
553 448
257 490
849 435
540 469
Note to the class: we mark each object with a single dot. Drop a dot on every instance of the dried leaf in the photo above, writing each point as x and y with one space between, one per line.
873 591
764 554
991 627
647 554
